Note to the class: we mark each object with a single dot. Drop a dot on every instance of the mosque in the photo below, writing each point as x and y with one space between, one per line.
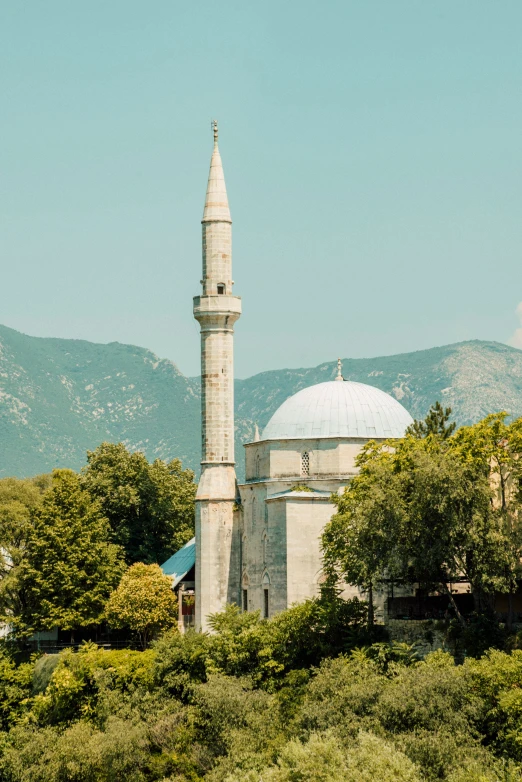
258 544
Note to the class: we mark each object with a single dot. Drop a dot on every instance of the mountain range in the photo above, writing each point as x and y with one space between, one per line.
61 397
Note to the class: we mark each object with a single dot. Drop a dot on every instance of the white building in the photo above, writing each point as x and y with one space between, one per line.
258 544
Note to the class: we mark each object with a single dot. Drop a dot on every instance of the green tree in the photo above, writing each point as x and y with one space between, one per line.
359 540
494 447
143 602
150 507
71 566
436 423
18 500
419 512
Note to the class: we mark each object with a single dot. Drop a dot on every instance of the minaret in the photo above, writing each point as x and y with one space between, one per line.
216 310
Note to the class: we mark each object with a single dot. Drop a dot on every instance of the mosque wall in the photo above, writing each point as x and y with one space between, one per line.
326 457
305 521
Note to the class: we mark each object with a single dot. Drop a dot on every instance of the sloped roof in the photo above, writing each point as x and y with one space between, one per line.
291 494
181 562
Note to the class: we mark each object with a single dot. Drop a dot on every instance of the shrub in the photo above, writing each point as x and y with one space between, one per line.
143 602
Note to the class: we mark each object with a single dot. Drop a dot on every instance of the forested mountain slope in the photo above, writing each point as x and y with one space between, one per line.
60 397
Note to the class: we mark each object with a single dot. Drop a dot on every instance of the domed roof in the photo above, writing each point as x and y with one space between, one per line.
333 409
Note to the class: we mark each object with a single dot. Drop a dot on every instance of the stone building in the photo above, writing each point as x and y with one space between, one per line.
258 544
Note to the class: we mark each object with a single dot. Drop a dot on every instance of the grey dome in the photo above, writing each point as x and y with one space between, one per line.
334 409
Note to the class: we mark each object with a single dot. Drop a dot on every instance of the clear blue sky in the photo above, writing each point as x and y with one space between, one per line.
373 156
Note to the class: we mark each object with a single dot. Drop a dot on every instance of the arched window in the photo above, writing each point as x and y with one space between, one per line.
221 288
305 464
258 466
266 596
244 592
254 511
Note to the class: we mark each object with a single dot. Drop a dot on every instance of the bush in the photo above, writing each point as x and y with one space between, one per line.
143 602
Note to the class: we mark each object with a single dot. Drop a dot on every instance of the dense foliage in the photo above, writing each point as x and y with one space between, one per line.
243 705
150 506
433 508
67 538
143 602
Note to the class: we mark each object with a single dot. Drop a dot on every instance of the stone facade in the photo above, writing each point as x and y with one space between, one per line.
285 505
216 310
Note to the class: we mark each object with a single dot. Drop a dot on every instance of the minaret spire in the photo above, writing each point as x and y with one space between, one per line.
216 310
216 201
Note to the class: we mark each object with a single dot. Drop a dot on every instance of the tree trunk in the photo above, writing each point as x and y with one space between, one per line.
454 605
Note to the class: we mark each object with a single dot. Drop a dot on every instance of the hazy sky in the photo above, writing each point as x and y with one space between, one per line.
372 152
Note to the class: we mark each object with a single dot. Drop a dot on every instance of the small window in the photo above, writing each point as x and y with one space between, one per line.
305 463
221 288
245 599
266 605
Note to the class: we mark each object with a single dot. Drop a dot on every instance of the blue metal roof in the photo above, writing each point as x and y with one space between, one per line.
181 562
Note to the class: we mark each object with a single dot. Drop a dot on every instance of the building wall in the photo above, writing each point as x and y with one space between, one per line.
282 459
305 521
280 535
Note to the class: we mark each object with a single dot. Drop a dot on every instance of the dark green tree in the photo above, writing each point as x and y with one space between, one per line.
150 507
420 512
435 423
18 500
70 564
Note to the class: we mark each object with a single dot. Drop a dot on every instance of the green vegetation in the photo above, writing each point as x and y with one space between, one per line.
143 603
315 693
67 539
433 508
260 700
150 507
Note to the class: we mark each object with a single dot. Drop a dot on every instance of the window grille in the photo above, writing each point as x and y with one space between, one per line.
305 463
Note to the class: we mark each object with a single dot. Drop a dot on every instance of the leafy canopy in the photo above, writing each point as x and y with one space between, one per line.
70 565
143 602
431 509
150 507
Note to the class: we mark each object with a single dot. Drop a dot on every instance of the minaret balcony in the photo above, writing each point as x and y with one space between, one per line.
220 311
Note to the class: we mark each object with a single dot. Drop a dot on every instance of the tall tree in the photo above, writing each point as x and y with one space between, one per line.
437 422
18 500
359 540
420 511
150 507
71 566
494 447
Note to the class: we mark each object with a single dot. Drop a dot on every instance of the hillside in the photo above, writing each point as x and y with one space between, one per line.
59 397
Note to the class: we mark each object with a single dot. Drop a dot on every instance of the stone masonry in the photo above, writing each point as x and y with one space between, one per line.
216 310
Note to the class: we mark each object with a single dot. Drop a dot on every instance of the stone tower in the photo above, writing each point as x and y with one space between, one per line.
216 310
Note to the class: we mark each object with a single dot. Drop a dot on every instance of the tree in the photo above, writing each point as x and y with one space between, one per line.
494 448
150 507
369 515
18 501
420 511
435 423
143 602
71 566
